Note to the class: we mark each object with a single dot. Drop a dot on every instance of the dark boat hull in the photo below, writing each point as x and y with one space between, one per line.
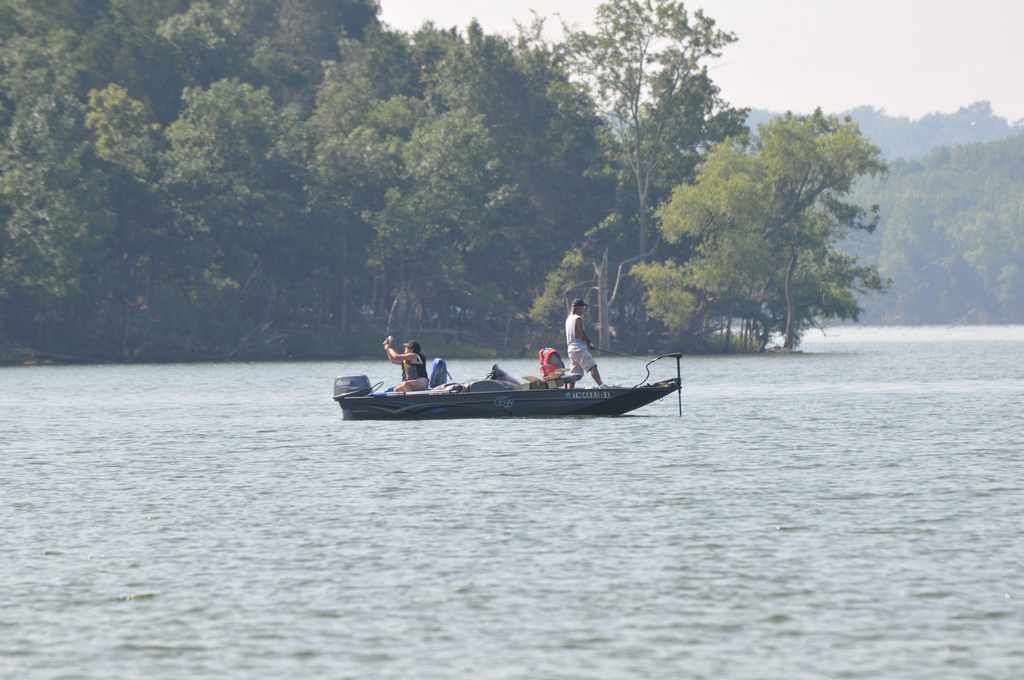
504 404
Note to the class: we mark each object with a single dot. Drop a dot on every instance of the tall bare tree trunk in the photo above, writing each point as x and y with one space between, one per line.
790 342
642 200
603 303
642 323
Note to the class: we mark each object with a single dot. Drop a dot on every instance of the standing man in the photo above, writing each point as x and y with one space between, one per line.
580 359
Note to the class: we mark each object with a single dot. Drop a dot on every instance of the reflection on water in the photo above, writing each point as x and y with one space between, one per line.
853 510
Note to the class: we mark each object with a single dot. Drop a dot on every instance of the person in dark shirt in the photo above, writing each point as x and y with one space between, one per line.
413 363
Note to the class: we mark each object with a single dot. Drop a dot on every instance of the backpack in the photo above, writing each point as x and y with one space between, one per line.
439 372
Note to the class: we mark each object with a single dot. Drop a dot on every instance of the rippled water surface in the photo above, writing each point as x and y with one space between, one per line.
853 511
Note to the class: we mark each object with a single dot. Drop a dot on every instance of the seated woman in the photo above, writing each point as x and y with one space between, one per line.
414 365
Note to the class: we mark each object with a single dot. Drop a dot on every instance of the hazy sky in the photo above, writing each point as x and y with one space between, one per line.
910 57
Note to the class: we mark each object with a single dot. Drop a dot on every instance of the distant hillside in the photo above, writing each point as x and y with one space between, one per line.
902 137
951 237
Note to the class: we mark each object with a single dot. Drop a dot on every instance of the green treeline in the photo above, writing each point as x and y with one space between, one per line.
185 179
951 237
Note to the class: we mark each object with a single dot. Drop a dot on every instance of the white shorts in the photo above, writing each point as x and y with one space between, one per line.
582 360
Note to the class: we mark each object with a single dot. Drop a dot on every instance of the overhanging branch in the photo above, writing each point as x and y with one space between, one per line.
618 276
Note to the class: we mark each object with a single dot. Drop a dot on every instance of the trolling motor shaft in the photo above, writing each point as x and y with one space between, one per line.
678 356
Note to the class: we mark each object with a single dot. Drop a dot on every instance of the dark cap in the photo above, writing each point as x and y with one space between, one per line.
579 302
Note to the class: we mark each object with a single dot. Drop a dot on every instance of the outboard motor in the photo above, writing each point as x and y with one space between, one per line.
351 386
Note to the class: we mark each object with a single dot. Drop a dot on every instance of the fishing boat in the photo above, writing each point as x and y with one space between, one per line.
491 398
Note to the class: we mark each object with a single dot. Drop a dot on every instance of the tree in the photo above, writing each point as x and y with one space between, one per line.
310 29
544 130
646 66
206 42
666 297
124 135
136 257
56 200
236 199
359 129
451 204
776 211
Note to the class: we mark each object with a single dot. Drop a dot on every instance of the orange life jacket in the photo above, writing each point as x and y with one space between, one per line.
550 361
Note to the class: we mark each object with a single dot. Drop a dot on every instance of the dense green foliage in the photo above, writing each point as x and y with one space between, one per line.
952 216
185 179
261 178
767 221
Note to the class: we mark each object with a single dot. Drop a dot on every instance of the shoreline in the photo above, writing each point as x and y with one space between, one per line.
16 356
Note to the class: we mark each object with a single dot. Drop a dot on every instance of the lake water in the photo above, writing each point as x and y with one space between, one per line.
854 511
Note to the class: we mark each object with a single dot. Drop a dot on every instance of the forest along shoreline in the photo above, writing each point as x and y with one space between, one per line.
12 357
194 181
